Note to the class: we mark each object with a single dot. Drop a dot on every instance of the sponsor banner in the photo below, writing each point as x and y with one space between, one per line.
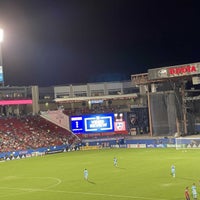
192 146
37 153
156 145
54 151
171 145
136 145
122 145
90 148
23 152
174 71
102 139
119 146
115 146
160 145
96 101
151 145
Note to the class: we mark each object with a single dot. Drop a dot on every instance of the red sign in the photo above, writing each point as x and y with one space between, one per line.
15 102
182 70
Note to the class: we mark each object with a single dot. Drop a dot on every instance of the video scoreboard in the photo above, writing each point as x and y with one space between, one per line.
94 123
98 123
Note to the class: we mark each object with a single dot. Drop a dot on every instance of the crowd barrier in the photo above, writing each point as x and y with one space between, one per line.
32 152
92 144
133 143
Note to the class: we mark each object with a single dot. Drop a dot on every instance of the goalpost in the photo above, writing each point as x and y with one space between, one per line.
187 143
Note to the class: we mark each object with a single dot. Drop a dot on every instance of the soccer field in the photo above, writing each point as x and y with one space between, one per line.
141 174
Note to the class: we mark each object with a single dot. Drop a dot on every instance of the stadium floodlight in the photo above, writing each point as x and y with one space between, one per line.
1 35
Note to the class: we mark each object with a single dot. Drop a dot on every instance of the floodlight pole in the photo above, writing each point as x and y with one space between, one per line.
1 59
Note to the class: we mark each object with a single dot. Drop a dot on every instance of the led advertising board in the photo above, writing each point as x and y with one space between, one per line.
16 102
94 123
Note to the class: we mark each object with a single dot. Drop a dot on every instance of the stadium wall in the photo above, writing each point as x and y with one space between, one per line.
32 152
92 145
96 144
134 143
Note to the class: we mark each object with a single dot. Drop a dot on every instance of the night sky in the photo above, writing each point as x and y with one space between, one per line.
57 42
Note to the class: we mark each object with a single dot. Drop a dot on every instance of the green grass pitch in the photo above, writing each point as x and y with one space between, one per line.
142 174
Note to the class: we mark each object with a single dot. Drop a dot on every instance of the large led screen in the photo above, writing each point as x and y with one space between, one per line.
94 123
119 123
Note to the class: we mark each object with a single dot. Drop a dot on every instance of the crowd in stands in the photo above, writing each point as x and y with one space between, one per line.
31 132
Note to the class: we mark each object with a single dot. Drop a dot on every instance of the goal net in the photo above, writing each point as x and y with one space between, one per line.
187 143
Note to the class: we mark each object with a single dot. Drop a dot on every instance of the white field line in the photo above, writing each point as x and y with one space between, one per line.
26 190
58 181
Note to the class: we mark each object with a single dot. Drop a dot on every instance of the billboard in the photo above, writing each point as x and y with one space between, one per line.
174 71
93 123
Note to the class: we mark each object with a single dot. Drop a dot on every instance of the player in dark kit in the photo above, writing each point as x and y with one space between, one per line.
187 195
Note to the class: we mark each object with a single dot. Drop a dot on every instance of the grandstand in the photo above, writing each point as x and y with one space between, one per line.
162 103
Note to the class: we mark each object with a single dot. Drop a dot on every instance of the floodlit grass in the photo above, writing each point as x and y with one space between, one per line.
141 174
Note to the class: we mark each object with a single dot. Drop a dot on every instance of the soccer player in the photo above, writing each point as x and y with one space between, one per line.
187 195
115 161
85 173
194 191
173 171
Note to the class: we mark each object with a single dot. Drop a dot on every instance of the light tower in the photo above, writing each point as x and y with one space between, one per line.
1 60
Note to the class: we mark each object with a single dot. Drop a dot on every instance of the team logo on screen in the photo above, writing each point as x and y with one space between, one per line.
120 126
162 73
